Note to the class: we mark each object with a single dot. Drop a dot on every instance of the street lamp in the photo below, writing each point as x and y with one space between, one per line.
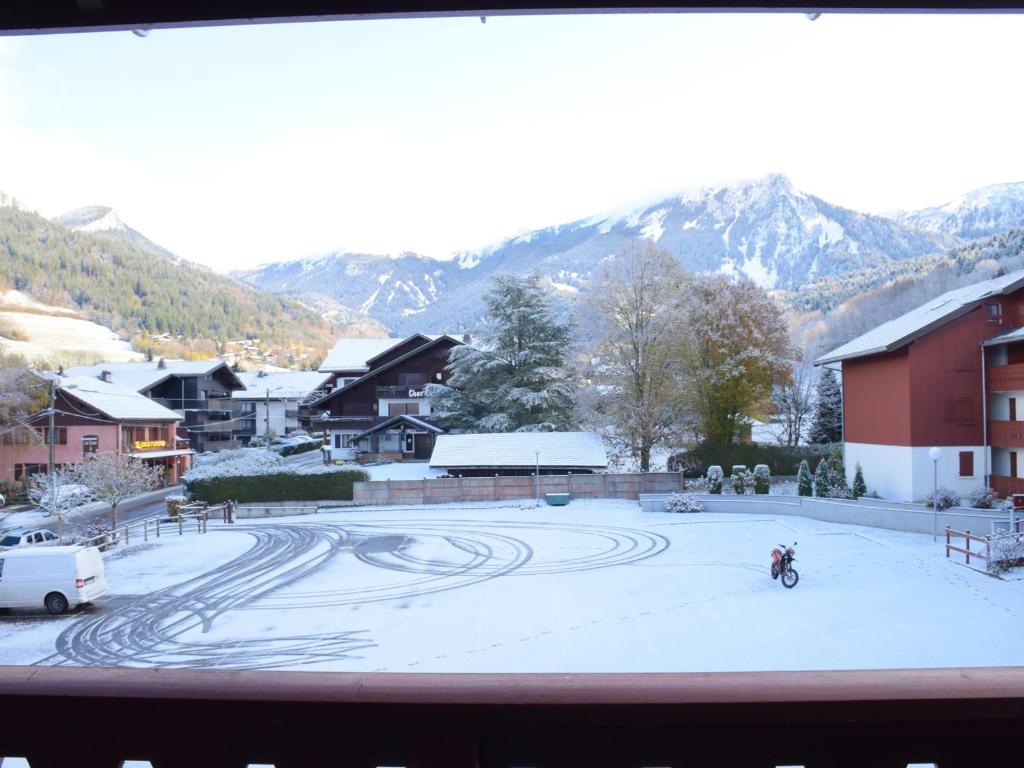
935 454
536 476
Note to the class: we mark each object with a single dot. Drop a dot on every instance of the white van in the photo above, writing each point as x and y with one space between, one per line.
55 578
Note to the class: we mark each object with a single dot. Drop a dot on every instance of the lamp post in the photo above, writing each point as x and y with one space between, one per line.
536 476
935 454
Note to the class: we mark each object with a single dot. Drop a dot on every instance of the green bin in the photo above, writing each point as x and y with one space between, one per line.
556 499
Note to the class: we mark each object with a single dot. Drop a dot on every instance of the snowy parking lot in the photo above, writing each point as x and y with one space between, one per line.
597 586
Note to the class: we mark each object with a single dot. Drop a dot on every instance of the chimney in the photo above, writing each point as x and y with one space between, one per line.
161 365
105 376
467 339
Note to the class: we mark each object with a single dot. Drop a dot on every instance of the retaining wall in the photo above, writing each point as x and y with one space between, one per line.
285 508
445 490
895 516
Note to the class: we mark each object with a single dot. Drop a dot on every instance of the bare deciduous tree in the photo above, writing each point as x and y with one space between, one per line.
50 492
794 402
113 477
637 378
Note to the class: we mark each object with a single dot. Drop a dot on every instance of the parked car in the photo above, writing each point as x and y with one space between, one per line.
27 537
75 495
55 578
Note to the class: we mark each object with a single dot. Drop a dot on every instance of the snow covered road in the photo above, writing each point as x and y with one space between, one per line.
596 586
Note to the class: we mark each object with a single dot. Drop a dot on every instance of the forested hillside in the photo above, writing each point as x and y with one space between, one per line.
140 293
833 310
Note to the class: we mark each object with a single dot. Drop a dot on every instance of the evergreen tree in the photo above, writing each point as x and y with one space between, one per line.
821 479
859 487
517 379
804 483
827 426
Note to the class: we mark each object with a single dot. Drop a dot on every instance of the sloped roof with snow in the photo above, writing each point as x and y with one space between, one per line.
352 354
142 376
113 400
1015 334
921 320
521 449
283 384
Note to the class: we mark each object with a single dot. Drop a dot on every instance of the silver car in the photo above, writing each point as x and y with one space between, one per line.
27 537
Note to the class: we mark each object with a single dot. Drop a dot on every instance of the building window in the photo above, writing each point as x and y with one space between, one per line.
411 379
994 314
25 471
403 409
59 436
337 441
966 463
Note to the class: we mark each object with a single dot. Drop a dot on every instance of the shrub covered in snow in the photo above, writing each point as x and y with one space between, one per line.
742 480
945 498
715 479
762 478
804 482
1005 552
982 498
859 486
681 502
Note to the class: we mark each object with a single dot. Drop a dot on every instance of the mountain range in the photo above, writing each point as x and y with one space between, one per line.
764 229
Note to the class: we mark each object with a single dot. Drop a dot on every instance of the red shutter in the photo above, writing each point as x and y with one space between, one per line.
966 463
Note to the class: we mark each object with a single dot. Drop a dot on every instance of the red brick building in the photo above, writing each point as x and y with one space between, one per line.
947 374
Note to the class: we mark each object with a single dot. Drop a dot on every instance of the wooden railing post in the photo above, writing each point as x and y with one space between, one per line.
181 525
947 542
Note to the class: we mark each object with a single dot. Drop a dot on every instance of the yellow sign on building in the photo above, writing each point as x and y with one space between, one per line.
144 444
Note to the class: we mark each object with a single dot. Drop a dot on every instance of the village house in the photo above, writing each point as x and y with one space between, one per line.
520 453
94 415
198 390
376 405
949 375
270 402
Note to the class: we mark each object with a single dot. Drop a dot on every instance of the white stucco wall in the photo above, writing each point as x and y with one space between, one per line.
903 473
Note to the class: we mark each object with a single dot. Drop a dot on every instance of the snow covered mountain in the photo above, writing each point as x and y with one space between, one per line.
763 229
979 213
103 220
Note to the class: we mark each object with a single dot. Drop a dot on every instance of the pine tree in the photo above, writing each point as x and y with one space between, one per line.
859 487
821 479
827 426
835 471
804 483
517 378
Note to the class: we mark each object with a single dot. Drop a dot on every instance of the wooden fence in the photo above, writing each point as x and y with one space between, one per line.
141 530
450 490
968 537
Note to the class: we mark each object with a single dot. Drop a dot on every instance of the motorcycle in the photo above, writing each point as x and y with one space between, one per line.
782 565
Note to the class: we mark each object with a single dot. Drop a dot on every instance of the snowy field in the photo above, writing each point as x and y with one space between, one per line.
597 586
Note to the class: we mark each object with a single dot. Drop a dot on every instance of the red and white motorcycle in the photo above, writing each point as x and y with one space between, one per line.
782 565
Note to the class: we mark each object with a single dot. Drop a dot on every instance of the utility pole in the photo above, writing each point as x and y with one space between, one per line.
50 436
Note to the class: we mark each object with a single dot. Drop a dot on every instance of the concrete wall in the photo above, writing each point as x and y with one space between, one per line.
442 490
285 508
894 516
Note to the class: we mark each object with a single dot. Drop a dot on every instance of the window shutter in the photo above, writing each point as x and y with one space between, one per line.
966 463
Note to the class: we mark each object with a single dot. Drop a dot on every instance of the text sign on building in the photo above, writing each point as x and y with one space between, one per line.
417 393
141 445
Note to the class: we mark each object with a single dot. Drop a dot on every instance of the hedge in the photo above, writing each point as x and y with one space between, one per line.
283 486
293 448
781 459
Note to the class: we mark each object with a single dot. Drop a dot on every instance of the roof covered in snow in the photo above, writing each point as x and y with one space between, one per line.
353 354
402 418
113 400
287 385
1016 334
917 322
143 376
521 449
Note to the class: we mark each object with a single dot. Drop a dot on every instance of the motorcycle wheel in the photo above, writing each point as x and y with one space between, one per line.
775 570
790 578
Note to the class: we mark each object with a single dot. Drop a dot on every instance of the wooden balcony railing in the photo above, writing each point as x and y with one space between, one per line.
1004 486
956 718
1006 434
1005 378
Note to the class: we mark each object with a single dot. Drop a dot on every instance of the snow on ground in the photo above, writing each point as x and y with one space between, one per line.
598 586
404 470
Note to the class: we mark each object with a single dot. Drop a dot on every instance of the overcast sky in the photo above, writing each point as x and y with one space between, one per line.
243 145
